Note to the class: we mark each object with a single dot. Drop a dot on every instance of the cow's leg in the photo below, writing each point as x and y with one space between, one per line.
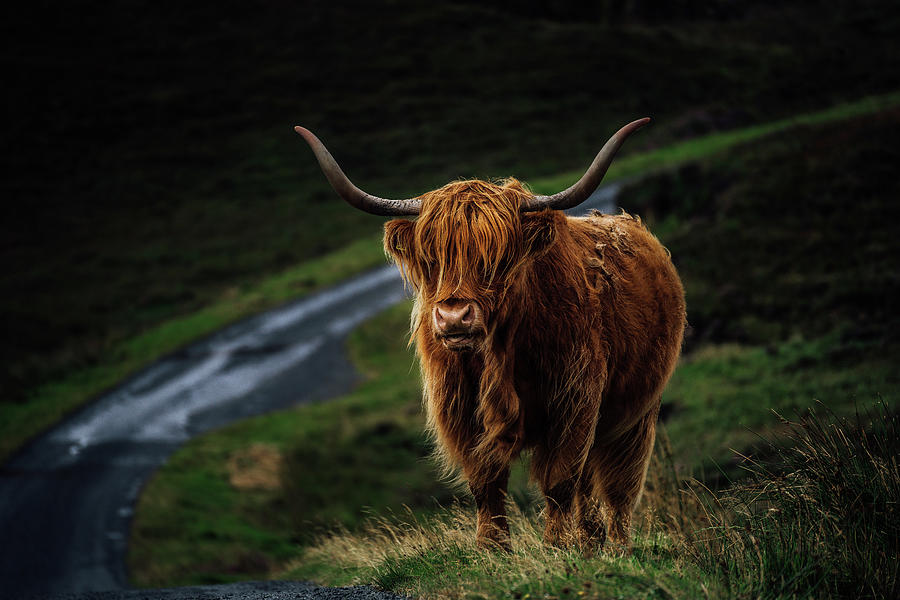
557 466
490 497
622 467
591 529
561 489
558 523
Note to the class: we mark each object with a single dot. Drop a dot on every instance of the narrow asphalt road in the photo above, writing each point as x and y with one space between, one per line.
247 590
66 499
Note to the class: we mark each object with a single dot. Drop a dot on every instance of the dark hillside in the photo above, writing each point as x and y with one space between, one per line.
795 236
152 168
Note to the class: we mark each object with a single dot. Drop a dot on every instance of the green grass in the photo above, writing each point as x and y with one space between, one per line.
723 395
153 170
438 558
788 251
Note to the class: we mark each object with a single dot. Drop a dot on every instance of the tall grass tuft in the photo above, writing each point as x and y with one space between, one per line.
817 518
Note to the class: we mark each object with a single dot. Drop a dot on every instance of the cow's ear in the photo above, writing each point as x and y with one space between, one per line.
398 239
539 231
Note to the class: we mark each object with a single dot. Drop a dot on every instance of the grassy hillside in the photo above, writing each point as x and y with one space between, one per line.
153 172
788 250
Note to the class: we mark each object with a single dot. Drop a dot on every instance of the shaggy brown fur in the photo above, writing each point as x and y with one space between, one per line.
582 326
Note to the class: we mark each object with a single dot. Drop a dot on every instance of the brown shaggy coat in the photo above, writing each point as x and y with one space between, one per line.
581 324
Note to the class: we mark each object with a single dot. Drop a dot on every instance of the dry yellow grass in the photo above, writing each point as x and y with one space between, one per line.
256 467
439 559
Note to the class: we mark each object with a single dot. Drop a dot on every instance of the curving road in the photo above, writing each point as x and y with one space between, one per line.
66 499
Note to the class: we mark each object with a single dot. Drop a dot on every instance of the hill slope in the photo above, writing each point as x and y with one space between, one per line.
153 169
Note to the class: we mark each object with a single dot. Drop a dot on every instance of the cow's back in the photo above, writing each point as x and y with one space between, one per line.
638 301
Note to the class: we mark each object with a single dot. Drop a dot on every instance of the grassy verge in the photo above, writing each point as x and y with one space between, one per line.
48 403
788 251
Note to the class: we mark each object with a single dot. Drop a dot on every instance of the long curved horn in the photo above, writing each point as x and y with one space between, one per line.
585 186
349 192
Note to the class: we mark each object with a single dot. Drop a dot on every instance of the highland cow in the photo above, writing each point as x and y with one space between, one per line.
540 333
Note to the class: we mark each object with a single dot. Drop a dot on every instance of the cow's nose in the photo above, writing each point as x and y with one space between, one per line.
456 315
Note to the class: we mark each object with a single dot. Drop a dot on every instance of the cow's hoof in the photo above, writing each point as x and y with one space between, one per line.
618 549
494 544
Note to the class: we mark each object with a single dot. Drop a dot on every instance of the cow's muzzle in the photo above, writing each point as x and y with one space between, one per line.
457 323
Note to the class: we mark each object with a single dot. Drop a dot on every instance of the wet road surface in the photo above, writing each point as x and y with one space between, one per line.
66 499
250 590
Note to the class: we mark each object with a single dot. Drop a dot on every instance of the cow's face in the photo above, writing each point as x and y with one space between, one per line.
466 250
463 254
